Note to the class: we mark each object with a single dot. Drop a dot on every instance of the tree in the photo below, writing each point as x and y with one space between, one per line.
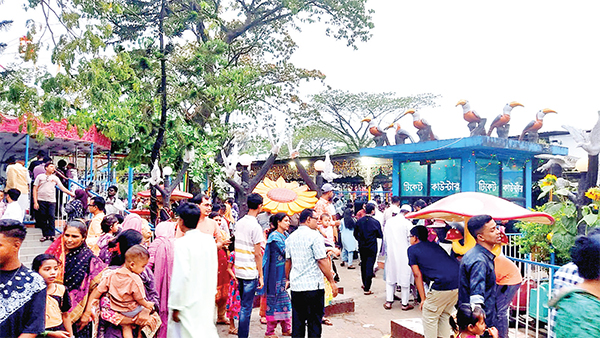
339 113
236 63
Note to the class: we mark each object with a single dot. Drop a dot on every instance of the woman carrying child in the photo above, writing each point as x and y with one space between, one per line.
279 306
126 291
58 303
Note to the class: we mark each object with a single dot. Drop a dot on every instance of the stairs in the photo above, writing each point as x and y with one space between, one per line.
32 246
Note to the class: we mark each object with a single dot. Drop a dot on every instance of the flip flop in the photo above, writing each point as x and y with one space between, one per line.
263 320
233 331
387 305
368 293
326 321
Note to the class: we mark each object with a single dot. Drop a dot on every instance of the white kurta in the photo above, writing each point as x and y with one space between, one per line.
194 286
395 235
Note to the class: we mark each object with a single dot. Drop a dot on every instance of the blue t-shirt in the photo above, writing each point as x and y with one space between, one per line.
22 302
435 265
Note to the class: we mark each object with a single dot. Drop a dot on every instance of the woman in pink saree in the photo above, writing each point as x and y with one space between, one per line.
161 262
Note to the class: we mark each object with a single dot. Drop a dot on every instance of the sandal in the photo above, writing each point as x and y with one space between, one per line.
263 320
233 331
222 321
286 334
351 267
326 321
387 305
368 293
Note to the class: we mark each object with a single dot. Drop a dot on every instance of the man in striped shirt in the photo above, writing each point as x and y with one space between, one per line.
248 260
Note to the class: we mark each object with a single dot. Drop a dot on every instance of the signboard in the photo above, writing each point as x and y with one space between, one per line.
413 177
445 178
512 180
487 177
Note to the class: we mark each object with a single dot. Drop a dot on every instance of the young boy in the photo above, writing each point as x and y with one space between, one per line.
327 230
125 288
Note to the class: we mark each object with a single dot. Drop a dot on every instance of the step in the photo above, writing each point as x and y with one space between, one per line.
338 306
407 328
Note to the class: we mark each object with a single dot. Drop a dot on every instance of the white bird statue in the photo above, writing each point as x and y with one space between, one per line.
230 162
590 142
328 173
155 177
566 162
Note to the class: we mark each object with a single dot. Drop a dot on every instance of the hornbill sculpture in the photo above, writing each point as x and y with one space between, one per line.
424 132
476 123
501 122
531 130
379 134
400 135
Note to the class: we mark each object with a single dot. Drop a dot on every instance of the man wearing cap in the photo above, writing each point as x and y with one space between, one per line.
17 177
397 271
324 204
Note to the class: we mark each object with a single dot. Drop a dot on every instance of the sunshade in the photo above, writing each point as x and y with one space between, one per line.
176 195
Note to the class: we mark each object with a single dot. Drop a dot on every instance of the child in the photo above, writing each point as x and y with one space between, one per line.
233 301
126 290
470 322
58 323
327 230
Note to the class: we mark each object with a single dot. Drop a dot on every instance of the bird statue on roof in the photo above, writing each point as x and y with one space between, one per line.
379 134
590 142
476 123
563 162
531 130
501 122
400 135
424 132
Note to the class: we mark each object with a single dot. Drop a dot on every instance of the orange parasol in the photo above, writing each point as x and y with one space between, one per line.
176 195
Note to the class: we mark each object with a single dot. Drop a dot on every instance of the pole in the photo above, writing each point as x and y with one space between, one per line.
92 163
26 150
130 188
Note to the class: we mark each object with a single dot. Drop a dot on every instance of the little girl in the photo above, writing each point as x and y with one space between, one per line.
233 301
58 323
327 230
470 322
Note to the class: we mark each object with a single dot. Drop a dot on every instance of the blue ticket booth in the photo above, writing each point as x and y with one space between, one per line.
434 169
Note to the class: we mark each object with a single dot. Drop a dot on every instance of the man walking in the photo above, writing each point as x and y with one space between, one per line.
366 232
306 263
44 200
248 260
477 278
431 262
194 279
397 271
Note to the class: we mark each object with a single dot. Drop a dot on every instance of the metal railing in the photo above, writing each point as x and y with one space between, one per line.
529 313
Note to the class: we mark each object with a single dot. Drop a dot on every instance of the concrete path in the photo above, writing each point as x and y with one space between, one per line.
370 319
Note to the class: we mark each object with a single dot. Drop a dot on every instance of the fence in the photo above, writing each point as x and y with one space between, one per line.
529 312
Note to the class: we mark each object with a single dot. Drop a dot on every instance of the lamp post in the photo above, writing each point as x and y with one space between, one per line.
319 168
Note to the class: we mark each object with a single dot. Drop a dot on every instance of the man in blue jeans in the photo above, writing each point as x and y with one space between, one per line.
248 260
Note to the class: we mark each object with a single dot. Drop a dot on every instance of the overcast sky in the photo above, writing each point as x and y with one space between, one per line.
543 54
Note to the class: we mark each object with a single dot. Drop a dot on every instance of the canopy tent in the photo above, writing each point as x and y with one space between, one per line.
460 207
176 195
56 137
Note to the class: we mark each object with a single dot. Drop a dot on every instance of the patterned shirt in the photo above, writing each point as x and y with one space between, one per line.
304 247
566 276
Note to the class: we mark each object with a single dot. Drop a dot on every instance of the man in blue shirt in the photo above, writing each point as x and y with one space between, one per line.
430 262
477 278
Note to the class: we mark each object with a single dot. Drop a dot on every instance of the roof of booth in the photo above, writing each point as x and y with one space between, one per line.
440 149
56 136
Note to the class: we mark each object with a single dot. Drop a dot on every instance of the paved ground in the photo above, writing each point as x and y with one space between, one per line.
370 319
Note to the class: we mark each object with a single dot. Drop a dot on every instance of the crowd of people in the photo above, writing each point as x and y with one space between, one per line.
107 275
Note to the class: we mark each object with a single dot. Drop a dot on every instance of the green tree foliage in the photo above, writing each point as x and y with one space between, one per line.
339 114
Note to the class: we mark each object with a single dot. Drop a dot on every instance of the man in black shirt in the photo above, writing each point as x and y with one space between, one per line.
366 232
23 292
431 263
476 276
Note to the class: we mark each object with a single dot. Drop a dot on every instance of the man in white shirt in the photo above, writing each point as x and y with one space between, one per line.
44 200
248 260
194 279
392 211
13 209
113 204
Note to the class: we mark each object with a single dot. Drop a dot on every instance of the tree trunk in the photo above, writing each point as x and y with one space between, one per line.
163 113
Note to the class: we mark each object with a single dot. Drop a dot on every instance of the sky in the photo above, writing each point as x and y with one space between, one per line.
543 54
